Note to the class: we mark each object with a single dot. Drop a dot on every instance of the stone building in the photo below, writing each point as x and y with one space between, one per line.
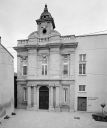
6 82
61 73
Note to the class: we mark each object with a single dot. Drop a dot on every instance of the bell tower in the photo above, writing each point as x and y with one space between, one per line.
45 23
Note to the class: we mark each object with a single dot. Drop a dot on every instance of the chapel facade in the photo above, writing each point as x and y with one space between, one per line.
55 72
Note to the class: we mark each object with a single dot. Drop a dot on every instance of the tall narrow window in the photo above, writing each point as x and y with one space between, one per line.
82 64
25 94
65 70
24 70
66 64
44 65
65 94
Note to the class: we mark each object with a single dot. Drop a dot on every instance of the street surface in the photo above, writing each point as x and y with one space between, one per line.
45 119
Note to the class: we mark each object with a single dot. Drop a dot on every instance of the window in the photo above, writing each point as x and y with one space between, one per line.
65 64
82 57
65 94
82 87
25 94
65 70
44 69
24 70
82 68
82 64
44 65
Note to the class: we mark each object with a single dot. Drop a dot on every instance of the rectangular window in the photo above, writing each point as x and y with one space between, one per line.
65 94
82 68
25 94
82 57
66 64
82 64
44 69
81 87
24 70
44 64
65 70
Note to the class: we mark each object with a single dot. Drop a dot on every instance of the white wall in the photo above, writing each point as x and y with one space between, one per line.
6 81
95 48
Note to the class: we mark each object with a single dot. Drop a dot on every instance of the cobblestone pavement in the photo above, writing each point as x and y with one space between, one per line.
45 119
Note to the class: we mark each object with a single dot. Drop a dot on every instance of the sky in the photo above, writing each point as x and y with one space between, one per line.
71 17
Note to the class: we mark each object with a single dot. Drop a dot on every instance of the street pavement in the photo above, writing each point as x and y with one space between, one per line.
45 119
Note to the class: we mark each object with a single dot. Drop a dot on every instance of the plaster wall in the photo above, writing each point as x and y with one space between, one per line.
6 81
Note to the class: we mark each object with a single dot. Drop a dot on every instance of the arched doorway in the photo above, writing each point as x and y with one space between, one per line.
43 97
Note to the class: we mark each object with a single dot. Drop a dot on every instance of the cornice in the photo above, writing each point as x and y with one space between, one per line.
18 49
47 46
50 80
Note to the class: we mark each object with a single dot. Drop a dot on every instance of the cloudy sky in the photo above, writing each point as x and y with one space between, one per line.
17 18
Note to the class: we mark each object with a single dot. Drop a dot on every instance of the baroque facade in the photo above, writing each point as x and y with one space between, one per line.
61 73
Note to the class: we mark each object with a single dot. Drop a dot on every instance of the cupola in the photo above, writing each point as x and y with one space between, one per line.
46 17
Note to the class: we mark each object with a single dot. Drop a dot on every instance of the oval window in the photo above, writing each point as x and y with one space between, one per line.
44 31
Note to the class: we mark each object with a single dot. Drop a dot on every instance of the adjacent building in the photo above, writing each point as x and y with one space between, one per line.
6 82
61 73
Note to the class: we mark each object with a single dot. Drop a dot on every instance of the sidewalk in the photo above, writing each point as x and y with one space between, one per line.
45 119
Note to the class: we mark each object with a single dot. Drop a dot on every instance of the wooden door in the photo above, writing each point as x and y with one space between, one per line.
44 98
82 103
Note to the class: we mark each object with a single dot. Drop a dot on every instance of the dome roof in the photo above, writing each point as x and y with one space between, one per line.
45 14
46 17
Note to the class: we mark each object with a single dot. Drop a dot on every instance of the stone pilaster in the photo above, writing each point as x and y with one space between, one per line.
72 97
29 97
72 65
51 98
35 98
57 107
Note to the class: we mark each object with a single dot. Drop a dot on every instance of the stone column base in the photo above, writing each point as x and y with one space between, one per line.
29 108
51 108
71 110
57 109
32 108
35 108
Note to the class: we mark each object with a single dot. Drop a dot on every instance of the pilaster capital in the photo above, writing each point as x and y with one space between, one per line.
30 85
52 85
32 51
57 85
35 85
